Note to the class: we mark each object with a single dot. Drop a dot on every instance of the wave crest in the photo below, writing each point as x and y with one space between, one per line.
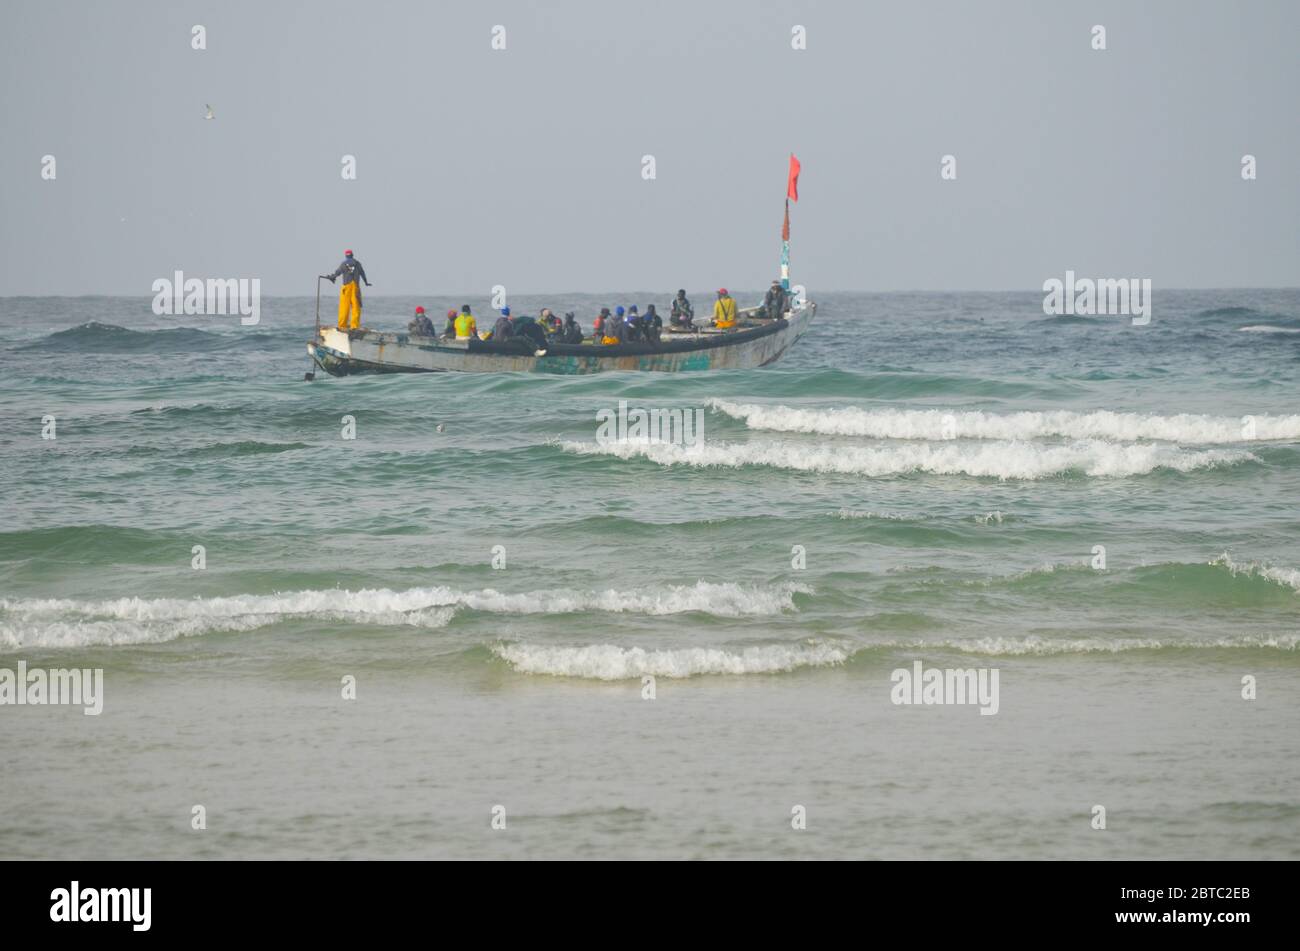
937 424
1035 645
1287 577
1268 329
999 460
609 662
65 622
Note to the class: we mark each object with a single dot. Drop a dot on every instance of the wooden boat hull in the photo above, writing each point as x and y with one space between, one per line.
341 354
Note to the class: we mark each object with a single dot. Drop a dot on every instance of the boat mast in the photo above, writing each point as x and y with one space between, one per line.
785 248
791 194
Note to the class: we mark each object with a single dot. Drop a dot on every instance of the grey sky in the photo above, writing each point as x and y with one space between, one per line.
523 167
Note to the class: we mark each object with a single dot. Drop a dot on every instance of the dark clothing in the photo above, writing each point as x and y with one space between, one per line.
652 325
420 326
571 332
351 270
682 313
503 329
449 331
532 330
776 302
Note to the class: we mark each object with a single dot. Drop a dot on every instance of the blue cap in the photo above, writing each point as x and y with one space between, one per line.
505 311
619 310
632 309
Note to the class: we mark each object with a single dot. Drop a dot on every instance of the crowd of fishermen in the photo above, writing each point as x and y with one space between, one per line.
622 325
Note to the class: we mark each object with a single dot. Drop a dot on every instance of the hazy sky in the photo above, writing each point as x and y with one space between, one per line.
522 167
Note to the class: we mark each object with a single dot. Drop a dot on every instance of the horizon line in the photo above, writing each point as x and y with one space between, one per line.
910 290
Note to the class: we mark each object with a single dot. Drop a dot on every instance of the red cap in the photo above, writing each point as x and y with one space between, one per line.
347 253
419 310
722 290
451 313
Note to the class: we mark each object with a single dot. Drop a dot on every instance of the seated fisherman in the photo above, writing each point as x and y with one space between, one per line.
682 314
420 326
572 331
449 331
550 323
776 302
504 328
466 327
614 327
652 324
724 310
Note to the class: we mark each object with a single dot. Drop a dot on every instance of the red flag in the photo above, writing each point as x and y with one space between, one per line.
792 188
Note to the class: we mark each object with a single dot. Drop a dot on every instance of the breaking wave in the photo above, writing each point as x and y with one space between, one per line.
939 424
1287 577
62 622
1268 329
1034 645
608 662
1000 460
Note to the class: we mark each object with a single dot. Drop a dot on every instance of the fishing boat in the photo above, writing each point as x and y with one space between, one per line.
755 340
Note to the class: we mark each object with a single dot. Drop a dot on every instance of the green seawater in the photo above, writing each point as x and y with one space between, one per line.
1105 514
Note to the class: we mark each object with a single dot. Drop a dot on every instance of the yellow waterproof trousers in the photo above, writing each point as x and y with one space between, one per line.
350 307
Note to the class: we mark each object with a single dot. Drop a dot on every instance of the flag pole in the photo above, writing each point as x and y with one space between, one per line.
791 194
785 248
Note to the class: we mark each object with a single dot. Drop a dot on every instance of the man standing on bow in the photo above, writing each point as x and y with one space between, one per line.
350 297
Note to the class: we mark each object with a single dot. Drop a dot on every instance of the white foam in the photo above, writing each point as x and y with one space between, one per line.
846 514
609 662
1268 329
727 599
1287 577
1035 645
1001 460
66 622
989 518
938 424
27 632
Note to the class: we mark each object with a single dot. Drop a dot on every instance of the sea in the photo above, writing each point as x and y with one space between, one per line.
442 616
